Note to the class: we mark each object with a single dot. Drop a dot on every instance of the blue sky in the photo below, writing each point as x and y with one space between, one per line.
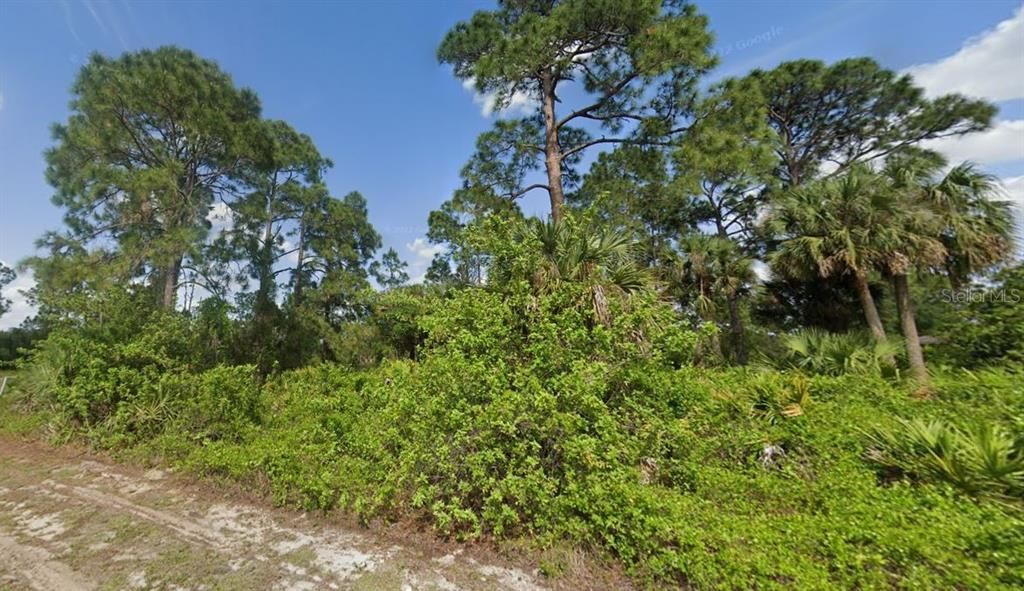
361 78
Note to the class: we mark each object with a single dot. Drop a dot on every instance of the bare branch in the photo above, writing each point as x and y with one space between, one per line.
526 190
611 93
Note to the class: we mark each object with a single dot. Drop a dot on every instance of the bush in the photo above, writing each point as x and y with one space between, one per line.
989 324
666 469
822 352
123 389
984 461
529 413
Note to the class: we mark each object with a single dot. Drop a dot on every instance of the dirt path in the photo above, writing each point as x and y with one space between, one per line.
71 523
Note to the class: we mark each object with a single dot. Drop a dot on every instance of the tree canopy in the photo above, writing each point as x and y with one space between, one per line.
855 111
154 138
637 63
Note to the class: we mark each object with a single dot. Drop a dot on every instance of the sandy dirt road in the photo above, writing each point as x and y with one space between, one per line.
70 523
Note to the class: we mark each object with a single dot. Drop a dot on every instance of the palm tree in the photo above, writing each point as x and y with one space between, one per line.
951 224
716 268
911 243
977 227
834 227
600 258
896 221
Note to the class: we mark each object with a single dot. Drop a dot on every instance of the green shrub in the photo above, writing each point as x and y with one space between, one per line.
528 415
984 461
822 352
663 468
222 404
988 328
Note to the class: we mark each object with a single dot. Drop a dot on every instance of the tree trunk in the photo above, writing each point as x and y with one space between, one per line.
170 291
265 261
871 312
736 327
909 327
297 294
552 150
266 270
264 307
874 321
735 319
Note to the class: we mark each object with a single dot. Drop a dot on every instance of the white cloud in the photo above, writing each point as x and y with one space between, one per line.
20 307
1014 188
422 253
220 217
827 167
291 259
987 66
520 104
1002 143
1 101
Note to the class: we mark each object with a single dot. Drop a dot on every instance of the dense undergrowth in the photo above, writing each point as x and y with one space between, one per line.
527 418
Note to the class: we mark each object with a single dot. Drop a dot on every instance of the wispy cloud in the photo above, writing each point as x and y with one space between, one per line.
108 23
95 16
1014 189
69 20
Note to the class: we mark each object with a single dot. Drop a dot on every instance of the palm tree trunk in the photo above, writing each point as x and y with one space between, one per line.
874 321
867 301
736 327
909 327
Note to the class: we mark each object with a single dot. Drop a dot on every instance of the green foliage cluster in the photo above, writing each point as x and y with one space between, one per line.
127 379
822 352
987 327
526 416
984 461
14 342
6 276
